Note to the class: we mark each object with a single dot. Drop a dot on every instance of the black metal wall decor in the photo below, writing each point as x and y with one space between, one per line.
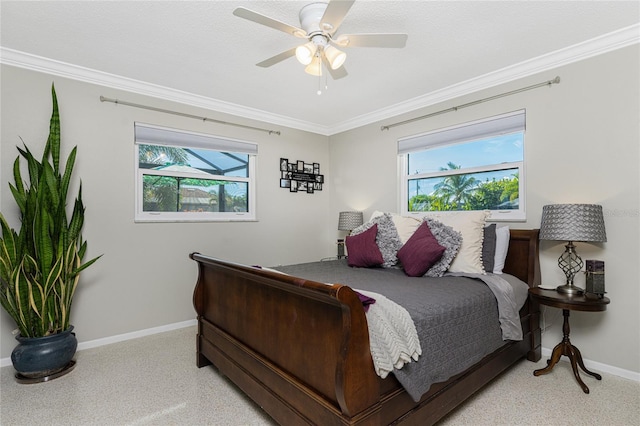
300 176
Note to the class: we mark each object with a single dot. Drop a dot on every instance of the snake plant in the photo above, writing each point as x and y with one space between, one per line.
40 264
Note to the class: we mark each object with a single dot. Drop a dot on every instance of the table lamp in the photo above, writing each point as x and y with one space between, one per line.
347 221
572 222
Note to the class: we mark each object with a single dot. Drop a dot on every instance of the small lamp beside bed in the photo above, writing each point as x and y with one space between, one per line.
572 222
347 221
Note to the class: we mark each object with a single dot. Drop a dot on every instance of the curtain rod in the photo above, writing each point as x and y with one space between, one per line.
182 114
479 101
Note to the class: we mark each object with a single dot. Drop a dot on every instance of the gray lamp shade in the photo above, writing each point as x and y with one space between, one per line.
348 221
573 222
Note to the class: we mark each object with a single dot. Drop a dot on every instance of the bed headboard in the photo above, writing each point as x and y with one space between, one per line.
522 258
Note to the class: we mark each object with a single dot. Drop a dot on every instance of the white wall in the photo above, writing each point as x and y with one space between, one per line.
581 146
145 278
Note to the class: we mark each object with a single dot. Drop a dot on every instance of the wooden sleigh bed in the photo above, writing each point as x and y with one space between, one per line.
300 349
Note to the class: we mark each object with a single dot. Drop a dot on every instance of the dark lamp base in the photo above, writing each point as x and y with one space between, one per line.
569 289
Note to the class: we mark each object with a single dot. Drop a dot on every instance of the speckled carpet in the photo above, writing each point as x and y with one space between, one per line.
154 381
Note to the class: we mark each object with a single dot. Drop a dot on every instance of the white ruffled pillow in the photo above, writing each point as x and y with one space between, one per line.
447 237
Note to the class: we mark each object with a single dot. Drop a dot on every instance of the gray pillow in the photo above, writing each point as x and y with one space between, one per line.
489 247
447 237
388 240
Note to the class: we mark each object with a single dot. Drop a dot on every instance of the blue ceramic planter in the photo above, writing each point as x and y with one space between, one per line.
41 357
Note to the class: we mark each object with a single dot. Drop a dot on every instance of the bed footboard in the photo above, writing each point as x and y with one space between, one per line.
297 347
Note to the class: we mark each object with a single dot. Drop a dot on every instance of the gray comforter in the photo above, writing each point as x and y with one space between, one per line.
457 318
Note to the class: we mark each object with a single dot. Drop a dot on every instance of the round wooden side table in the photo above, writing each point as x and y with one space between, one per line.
568 302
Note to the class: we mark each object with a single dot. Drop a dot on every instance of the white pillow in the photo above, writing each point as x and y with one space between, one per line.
405 226
471 225
502 245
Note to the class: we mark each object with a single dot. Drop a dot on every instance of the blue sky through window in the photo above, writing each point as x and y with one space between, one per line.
494 150
477 153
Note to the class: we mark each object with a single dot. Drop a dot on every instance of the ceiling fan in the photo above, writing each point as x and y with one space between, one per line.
319 23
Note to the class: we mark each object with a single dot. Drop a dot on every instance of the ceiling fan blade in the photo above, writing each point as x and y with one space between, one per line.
278 58
336 74
334 14
371 40
269 22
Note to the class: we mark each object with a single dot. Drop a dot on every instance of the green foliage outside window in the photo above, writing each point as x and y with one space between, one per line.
468 192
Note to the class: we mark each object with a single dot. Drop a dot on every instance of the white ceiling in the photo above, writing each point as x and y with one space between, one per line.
199 53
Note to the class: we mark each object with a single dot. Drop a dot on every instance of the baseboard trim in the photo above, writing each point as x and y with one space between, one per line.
4 362
598 366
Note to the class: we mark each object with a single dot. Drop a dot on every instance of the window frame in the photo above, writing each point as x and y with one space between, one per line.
503 124
200 141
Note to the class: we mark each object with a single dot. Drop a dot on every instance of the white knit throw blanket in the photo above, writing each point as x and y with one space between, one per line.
392 335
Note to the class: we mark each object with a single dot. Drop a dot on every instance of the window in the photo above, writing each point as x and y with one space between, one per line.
474 166
184 176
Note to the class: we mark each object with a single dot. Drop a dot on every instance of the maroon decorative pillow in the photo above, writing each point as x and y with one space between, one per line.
362 250
420 252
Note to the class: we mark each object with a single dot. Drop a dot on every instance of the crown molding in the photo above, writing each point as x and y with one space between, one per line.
597 46
31 62
587 49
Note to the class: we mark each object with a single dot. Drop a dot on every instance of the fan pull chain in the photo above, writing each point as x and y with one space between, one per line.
326 81
319 92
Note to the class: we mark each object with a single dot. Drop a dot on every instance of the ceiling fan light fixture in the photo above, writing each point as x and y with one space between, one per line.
315 67
306 53
335 57
319 24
